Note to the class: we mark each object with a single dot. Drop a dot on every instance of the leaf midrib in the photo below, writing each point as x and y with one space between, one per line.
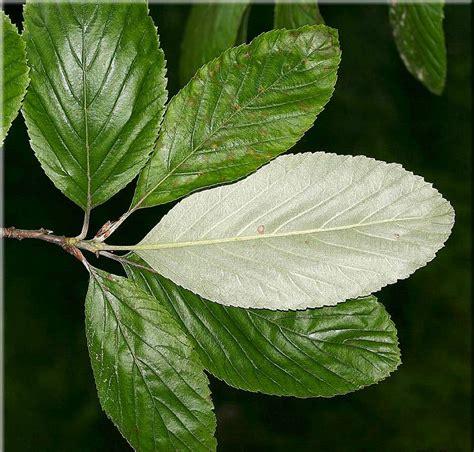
82 65
86 119
135 360
152 246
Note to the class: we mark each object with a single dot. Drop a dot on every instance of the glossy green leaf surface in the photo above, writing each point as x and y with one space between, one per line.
210 29
15 74
317 352
242 109
149 378
97 94
296 14
306 230
419 35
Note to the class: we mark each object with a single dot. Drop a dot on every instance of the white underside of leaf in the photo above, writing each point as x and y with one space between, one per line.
306 230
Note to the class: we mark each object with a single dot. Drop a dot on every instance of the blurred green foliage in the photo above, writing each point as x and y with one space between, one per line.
378 110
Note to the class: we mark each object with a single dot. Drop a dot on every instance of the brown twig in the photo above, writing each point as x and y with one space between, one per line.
66 243
39 234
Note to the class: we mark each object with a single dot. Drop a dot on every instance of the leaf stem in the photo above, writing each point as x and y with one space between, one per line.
85 225
124 260
111 226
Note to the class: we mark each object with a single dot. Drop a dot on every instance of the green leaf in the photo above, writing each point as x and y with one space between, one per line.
242 109
307 230
97 94
243 28
296 14
15 74
210 29
418 32
316 352
149 378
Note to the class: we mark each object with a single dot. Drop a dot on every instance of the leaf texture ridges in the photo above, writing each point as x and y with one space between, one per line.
97 94
241 110
419 36
149 378
313 353
307 230
15 74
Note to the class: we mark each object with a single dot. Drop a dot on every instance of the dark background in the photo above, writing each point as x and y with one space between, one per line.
378 110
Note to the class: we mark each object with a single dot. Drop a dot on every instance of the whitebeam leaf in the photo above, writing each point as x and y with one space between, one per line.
312 353
149 378
14 73
296 14
210 29
97 94
239 111
419 36
306 230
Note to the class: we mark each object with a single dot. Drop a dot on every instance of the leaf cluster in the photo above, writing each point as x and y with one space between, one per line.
264 282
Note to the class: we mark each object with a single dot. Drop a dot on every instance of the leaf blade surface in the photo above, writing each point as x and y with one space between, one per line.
149 379
296 14
313 353
241 110
15 74
97 94
419 36
307 230
210 29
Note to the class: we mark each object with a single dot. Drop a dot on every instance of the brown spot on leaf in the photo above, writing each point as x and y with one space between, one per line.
261 229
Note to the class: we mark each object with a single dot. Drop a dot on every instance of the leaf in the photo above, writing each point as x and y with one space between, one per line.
307 230
149 379
243 28
210 29
418 32
242 109
97 94
15 74
311 353
297 14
